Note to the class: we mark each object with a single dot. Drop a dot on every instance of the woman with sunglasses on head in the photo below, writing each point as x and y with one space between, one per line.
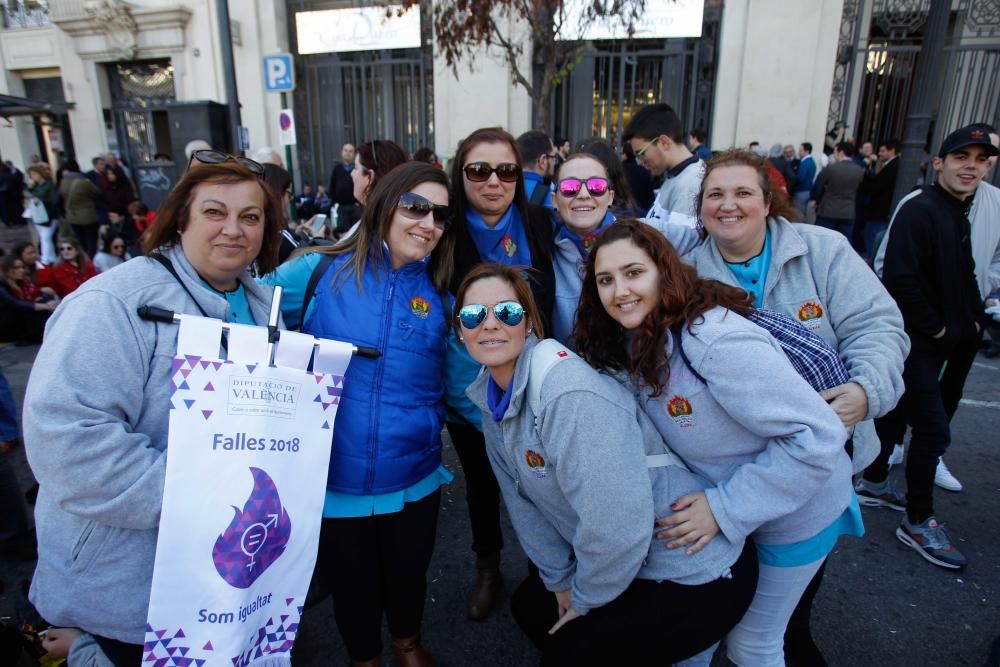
71 269
97 404
494 222
384 287
722 393
814 276
585 197
563 440
112 253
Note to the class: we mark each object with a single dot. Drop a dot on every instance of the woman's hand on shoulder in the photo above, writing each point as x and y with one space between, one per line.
692 523
849 401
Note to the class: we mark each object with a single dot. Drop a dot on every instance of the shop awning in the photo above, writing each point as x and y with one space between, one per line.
23 106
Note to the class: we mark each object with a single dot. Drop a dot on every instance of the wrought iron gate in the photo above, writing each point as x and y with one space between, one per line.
617 77
140 92
877 58
355 97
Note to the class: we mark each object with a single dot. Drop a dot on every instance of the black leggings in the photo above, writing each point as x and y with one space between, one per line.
650 623
482 493
377 564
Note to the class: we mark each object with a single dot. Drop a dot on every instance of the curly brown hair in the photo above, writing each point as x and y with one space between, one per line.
776 200
684 298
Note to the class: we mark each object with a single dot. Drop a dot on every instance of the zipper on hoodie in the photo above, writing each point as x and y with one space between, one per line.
379 373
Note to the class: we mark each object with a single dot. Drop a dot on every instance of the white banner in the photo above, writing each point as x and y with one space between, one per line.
659 19
358 29
248 450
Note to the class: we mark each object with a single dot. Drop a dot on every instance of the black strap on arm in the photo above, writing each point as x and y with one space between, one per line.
314 278
538 194
676 331
169 266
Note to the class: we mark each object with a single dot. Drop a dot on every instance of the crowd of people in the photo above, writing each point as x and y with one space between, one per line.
669 378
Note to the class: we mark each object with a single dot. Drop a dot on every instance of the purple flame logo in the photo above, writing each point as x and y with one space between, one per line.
256 537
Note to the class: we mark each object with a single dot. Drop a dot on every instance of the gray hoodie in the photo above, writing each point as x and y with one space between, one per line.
568 265
95 432
578 490
772 447
818 279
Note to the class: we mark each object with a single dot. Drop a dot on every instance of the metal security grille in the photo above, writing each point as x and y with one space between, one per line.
356 97
139 90
617 77
877 60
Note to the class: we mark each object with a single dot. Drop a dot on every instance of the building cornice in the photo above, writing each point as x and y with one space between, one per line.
116 30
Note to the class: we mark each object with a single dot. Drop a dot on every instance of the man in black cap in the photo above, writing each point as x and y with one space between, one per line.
929 270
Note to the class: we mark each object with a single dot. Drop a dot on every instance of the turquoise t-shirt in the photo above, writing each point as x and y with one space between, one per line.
819 545
752 274
239 307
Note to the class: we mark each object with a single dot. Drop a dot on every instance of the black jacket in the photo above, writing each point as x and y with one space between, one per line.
341 185
538 228
929 270
879 188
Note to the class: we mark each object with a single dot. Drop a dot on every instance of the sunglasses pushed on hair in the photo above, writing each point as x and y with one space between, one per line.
596 186
477 172
416 207
209 156
509 313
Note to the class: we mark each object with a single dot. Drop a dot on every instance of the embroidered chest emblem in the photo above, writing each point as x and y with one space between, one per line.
509 247
589 240
810 310
536 463
679 409
420 307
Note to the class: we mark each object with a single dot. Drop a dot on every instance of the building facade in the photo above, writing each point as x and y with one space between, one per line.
145 76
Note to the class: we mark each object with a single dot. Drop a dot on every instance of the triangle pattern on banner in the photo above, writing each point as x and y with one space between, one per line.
207 413
189 402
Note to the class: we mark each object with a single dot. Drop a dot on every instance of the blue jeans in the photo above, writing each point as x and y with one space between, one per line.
874 229
14 520
845 227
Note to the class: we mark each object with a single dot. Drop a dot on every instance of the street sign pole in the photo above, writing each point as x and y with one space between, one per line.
288 165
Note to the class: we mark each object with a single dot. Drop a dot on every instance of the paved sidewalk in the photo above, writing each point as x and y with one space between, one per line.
881 604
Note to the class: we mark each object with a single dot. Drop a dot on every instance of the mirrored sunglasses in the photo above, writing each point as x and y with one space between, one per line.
596 186
413 206
509 313
209 156
477 172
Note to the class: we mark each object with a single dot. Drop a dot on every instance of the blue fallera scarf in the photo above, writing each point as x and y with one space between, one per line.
584 243
497 399
506 243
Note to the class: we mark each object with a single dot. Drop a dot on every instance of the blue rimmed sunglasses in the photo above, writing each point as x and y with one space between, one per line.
509 313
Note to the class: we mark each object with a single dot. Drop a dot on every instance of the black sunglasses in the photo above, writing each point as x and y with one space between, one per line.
415 207
209 156
477 172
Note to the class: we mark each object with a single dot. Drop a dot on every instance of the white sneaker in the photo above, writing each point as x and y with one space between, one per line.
897 456
944 478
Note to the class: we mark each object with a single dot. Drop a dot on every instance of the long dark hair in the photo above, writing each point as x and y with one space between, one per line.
380 157
684 298
175 211
373 231
484 135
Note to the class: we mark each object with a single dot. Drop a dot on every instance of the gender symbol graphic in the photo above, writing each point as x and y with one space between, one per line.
256 536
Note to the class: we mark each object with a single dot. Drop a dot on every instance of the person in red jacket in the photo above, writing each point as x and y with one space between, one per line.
72 269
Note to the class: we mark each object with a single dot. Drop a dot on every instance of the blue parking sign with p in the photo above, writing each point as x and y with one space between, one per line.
279 74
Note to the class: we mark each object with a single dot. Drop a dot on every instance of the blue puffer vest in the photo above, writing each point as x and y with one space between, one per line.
387 435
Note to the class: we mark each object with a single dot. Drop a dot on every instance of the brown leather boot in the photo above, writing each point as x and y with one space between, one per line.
410 653
487 589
